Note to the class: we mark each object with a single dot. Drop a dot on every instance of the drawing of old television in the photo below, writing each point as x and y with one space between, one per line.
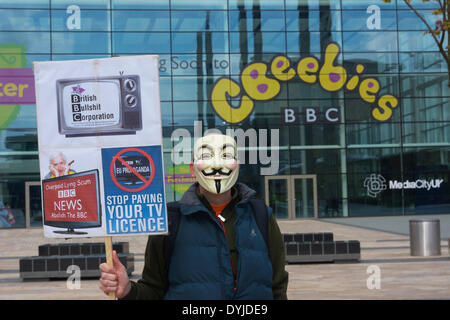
99 106
132 169
72 202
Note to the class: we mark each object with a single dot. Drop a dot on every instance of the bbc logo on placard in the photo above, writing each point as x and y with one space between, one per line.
66 193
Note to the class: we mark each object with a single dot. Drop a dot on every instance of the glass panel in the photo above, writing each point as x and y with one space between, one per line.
166 114
81 42
370 41
140 4
251 4
374 62
19 129
189 42
198 4
192 88
426 132
358 4
314 134
313 4
369 195
304 198
427 174
90 20
409 21
257 42
27 59
318 161
300 90
422 62
425 109
370 160
199 21
424 85
132 20
267 21
278 197
145 43
83 4
185 113
13 189
417 41
24 4
165 88
61 57
329 198
238 61
24 20
312 42
306 20
373 133
35 206
418 5
26 42
361 20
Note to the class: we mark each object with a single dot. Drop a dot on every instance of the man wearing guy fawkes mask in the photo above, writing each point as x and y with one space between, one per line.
218 250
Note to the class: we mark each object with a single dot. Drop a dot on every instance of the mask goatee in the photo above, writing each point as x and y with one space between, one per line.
217 186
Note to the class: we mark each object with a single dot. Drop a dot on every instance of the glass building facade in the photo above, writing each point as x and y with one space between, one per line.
313 143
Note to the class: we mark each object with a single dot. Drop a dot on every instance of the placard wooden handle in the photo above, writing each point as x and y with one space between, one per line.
109 260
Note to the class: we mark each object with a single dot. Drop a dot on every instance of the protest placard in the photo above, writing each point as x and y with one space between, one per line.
100 154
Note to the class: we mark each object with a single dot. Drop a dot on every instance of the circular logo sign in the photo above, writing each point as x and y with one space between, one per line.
132 169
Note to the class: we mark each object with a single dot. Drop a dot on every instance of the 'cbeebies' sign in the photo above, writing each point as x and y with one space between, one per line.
257 85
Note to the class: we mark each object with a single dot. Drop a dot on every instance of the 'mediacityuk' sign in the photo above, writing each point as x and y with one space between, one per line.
260 81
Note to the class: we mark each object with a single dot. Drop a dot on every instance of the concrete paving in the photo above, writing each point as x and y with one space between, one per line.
385 250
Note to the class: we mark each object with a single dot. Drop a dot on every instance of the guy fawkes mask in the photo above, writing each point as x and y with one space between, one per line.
215 162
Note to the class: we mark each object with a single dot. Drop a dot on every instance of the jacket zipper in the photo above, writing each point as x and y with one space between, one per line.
231 259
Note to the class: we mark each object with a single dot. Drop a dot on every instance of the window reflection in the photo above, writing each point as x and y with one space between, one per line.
311 42
370 41
268 21
149 42
187 42
24 20
199 21
89 20
360 20
80 42
308 20
132 20
416 41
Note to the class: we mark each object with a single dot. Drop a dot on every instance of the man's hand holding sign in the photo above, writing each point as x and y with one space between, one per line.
115 279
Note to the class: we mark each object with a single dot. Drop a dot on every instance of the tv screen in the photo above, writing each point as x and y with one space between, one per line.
72 201
107 105
140 164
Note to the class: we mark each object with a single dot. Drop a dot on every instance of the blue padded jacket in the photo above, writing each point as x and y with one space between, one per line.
200 266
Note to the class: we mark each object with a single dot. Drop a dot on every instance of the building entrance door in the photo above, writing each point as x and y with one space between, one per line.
292 197
33 206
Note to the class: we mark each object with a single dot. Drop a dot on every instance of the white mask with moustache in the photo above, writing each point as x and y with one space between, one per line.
215 162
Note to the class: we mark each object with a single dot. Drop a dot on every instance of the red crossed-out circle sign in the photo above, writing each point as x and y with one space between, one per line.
138 175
